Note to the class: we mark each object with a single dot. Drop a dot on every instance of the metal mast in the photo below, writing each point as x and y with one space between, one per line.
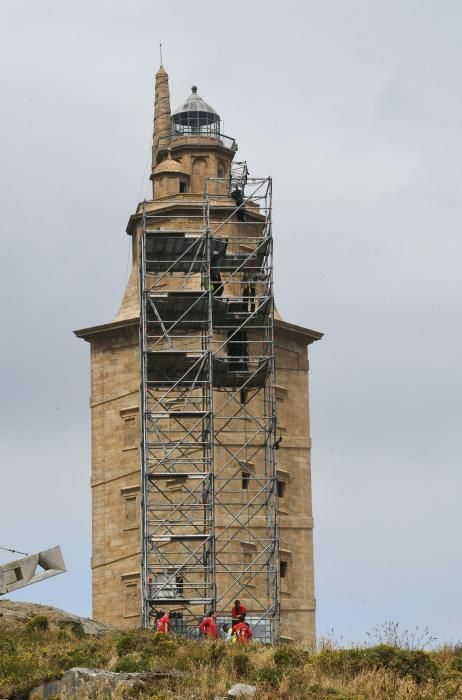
209 507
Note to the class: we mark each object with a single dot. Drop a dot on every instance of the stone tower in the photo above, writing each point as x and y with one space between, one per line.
202 269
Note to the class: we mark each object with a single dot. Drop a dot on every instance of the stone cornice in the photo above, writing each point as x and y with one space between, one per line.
291 328
188 202
89 333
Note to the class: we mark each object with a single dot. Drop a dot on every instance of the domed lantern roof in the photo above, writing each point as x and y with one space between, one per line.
195 116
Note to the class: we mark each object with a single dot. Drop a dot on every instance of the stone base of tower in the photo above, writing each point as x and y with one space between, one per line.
115 482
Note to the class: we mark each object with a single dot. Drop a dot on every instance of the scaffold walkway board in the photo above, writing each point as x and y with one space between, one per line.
179 251
180 538
251 260
177 414
242 372
169 367
159 476
178 309
189 309
248 312
178 600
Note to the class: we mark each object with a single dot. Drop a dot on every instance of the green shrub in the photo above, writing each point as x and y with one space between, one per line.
215 653
165 644
38 623
154 644
75 627
125 643
339 662
456 663
419 665
290 657
241 664
81 653
14 670
134 662
7 645
269 676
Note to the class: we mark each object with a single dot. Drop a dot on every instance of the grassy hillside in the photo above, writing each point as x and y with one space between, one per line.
34 652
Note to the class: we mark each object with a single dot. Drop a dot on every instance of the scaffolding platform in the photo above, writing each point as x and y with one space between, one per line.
157 600
177 414
249 260
181 538
180 476
179 309
176 367
174 444
234 373
165 367
180 251
232 312
190 309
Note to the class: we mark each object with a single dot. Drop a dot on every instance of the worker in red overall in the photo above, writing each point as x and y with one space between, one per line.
163 622
242 631
236 611
208 626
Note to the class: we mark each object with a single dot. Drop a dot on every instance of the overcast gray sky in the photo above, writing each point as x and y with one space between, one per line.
355 108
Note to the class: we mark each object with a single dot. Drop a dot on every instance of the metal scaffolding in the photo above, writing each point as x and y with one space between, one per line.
209 505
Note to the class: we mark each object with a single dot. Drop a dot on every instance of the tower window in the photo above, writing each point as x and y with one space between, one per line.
283 567
220 170
281 488
183 186
245 480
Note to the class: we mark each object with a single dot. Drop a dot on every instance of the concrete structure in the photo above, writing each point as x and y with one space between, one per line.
31 568
187 149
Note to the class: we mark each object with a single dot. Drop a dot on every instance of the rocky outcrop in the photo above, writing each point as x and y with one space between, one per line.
242 690
13 613
88 684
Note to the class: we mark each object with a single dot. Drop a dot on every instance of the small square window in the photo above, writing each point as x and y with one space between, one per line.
281 485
